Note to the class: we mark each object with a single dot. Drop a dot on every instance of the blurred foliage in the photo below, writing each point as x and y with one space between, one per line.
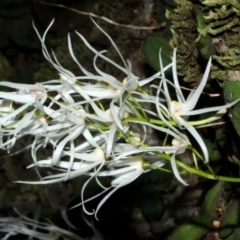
219 217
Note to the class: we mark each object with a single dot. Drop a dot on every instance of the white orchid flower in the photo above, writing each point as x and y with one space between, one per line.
131 82
181 147
126 172
13 120
181 109
123 173
128 163
92 89
70 85
71 169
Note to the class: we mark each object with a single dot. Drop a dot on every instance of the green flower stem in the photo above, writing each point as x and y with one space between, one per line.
206 175
149 165
139 107
200 172
98 127
100 105
182 165
192 149
165 140
172 122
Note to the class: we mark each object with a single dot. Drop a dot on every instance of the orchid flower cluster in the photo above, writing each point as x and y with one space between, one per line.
87 121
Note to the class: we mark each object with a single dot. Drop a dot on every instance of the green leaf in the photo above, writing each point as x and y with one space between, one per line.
190 231
236 233
152 46
211 200
230 218
214 154
231 92
201 225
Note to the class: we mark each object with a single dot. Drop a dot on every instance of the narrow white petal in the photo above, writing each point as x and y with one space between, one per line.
197 137
18 97
112 42
124 182
111 140
191 103
210 109
179 94
76 131
21 86
155 76
175 170
103 74
75 59
114 173
102 56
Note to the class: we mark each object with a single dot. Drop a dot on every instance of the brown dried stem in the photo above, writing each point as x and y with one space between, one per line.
90 14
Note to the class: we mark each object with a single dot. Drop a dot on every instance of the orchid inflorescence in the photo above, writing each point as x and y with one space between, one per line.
87 121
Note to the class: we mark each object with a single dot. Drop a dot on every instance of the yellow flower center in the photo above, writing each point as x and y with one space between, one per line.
175 108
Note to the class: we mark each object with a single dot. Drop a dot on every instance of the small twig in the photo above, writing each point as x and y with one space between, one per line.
211 124
209 94
90 14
